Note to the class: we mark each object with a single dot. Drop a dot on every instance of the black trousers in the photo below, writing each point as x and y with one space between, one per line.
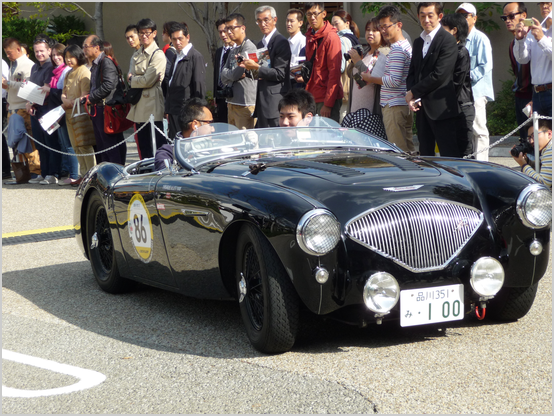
464 131
221 105
144 138
174 127
443 132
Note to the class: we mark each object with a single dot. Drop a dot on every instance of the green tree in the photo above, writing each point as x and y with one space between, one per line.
485 12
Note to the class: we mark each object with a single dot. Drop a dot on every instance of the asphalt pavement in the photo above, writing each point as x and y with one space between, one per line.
151 351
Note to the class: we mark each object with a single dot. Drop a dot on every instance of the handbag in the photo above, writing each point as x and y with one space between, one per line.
115 118
21 170
364 120
81 126
307 66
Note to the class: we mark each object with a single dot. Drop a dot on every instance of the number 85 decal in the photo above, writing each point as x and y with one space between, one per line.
140 227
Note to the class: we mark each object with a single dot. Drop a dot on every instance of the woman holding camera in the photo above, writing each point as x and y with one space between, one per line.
362 94
348 33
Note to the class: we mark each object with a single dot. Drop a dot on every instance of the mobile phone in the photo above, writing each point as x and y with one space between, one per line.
528 22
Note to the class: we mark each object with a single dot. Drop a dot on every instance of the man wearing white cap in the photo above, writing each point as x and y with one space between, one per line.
480 53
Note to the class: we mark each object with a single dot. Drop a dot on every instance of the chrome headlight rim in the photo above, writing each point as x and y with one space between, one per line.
304 222
473 276
521 205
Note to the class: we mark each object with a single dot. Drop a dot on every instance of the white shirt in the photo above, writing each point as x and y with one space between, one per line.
180 56
538 53
6 75
427 39
297 42
267 38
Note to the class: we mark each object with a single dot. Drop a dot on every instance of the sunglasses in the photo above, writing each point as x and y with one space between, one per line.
511 16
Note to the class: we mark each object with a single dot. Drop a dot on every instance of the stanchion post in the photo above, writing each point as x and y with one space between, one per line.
153 130
536 139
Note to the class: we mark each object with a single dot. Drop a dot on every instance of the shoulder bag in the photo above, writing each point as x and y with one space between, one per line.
116 110
307 66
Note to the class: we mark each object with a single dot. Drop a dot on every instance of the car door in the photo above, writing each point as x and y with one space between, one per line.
139 229
192 222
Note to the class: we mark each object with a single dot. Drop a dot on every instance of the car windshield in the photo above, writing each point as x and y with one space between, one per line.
225 142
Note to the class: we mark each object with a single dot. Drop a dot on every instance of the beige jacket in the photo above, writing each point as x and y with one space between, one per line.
23 66
148 74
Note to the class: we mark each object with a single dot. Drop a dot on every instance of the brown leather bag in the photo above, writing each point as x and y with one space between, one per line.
21 170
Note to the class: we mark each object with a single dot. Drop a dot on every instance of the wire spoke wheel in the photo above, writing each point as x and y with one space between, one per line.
101 250
268 301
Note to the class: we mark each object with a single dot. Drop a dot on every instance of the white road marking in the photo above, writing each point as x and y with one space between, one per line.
87 378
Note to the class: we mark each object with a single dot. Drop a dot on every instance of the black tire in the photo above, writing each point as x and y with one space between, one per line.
512 303
102 254
270 306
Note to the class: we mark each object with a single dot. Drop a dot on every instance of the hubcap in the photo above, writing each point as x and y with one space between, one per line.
104 240
242 288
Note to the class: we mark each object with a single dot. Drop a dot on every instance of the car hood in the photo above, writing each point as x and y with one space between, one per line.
353 182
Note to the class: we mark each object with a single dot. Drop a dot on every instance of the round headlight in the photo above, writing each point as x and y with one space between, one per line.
318 232
487 276
534 206
381 292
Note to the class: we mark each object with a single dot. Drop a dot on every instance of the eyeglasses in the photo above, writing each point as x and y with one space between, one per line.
532 136
86 46
229 29
511 16
145 34
206 121
314 15
263 21
468 14
383 28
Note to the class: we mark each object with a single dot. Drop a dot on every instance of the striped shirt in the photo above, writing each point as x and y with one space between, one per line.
397 65
545 175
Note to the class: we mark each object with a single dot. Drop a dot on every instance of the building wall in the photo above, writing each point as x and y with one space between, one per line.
117 15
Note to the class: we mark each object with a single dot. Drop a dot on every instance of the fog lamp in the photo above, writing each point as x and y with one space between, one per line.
487 276
321 275
381 292
535 247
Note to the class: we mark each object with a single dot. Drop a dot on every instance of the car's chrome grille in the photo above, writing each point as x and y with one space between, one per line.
420 235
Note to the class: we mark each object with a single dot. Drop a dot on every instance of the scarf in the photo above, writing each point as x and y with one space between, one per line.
56 74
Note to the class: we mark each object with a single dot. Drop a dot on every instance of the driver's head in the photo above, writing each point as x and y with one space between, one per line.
296 108
195 117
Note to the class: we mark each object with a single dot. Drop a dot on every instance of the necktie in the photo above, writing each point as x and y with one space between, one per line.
223 60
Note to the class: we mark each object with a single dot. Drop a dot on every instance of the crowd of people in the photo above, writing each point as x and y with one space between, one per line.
444 77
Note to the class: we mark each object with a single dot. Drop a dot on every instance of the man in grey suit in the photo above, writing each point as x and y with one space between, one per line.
273 75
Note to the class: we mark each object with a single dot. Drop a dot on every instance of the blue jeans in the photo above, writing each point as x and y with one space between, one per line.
542 102
50 161
69 163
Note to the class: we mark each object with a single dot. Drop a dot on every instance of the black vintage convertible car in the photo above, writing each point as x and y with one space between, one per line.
330 219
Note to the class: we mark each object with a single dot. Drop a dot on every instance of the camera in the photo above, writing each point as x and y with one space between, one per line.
240 58
522 147
226 92
358 49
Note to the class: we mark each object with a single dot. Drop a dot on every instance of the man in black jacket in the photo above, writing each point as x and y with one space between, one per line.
221 55
188 79
430 78
273 75
104 80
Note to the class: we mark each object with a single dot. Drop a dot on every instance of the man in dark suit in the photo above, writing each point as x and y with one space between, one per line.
273 75
188 79
221 55
430 78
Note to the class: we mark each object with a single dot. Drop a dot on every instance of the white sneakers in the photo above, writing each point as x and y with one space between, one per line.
38 179
49 180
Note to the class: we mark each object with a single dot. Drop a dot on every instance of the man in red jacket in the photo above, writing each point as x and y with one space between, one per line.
324 83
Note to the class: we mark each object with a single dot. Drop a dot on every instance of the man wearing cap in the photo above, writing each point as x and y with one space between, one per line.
534 44
480 53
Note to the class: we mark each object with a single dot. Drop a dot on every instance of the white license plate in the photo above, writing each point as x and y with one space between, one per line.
431 305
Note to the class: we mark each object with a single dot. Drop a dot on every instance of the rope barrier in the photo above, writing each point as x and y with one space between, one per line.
507 135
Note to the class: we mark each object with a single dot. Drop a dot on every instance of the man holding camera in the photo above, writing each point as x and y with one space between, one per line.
519 153
241 85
